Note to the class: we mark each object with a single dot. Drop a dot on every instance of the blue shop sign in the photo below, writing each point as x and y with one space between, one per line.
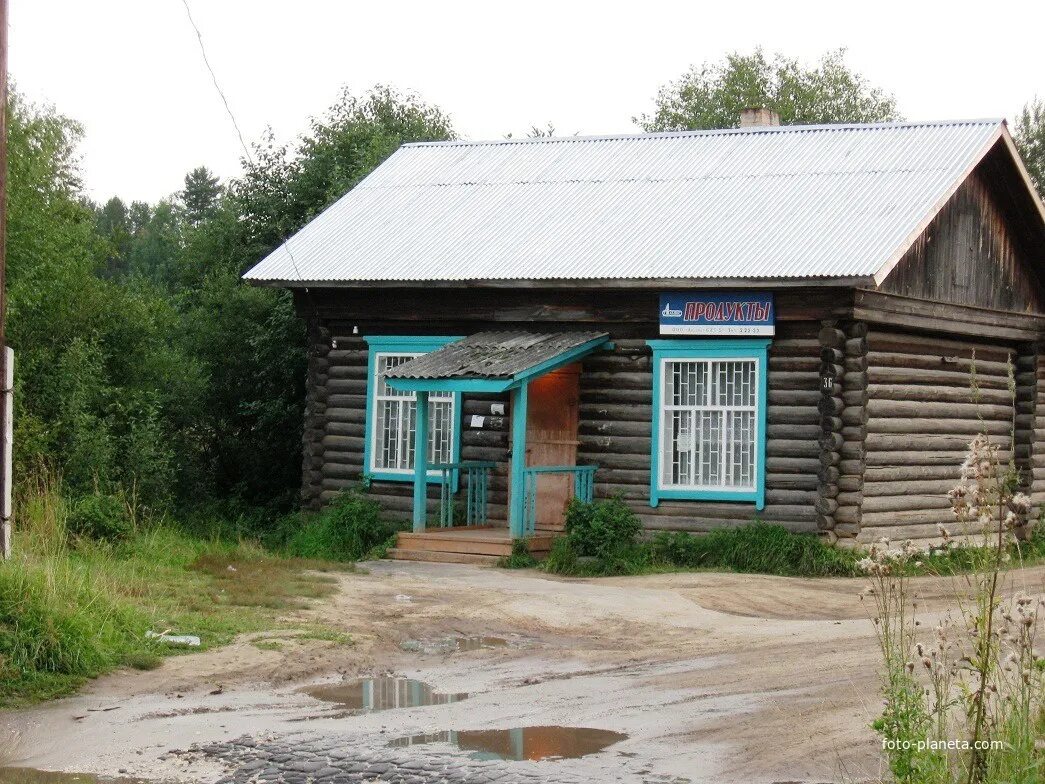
700 313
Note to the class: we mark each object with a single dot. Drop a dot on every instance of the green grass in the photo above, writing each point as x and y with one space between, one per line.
70 611
281 638
755 548
961 560
758 548
520 557
267 645
602 539
324 635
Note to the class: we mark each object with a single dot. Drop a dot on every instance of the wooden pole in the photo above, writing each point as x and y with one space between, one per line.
517 499
421 463
5 424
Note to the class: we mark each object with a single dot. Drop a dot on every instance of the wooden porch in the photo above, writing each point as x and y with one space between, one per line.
540 371
483 545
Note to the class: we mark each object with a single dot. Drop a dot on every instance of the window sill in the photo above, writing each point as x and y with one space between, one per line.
748 496
433 477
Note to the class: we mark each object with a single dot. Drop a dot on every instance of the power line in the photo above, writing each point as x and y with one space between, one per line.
214 78
239 133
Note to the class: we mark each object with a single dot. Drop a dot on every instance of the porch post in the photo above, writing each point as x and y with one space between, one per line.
421 462
517 502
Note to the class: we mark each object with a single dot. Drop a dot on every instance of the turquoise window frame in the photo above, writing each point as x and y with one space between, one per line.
404 344
749 348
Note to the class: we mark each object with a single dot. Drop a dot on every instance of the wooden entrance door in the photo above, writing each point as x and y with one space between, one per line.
551 439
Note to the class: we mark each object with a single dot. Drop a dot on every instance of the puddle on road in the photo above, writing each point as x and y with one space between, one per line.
445 645
523 743
383 693
477 643
33 776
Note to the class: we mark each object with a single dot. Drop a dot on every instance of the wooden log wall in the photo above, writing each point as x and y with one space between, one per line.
489 442
615 433
1036 459
614 430
315 416
845 431
873 453
920 417
830 405
344 415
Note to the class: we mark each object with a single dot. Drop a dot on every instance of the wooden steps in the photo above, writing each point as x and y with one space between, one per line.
398 554
475 545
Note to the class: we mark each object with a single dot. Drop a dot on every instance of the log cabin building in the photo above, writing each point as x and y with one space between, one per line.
772 322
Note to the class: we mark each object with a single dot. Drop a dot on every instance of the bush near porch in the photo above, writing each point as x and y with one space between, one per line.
602 538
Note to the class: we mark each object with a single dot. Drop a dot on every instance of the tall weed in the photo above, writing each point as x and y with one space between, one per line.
62 619
964 701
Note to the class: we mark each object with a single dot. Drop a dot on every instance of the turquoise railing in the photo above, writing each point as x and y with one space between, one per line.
583 487
475 479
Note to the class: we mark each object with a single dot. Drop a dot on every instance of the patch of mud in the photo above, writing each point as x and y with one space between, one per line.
197 710
457 644
367 695
522 743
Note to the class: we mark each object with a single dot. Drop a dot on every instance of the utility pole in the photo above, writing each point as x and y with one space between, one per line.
6 375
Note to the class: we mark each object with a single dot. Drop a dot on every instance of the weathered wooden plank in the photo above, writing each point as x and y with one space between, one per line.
910 392
932 408
901 503
941 360
964 427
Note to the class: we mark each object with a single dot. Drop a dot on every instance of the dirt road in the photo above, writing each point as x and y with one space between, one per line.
711 677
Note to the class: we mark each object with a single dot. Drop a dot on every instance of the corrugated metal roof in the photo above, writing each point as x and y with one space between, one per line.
784 202
493 355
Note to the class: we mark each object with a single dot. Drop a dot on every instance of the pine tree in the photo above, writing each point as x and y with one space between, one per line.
114 227
200 197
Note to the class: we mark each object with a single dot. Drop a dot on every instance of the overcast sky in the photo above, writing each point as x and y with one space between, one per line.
131 72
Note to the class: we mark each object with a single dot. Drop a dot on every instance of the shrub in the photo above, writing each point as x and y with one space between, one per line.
521 558
758 547
100 517
347 530
600 540
563 558
603 529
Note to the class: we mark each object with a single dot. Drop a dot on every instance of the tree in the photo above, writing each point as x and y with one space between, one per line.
138 216
1030 140
114 226
714 94
285 187
156 246
250 340
104 388
143 360
538 132
200 197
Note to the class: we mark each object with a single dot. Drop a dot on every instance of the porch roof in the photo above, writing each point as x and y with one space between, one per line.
493 361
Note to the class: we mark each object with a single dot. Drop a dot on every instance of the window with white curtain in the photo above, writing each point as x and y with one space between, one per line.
709 420
394 419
